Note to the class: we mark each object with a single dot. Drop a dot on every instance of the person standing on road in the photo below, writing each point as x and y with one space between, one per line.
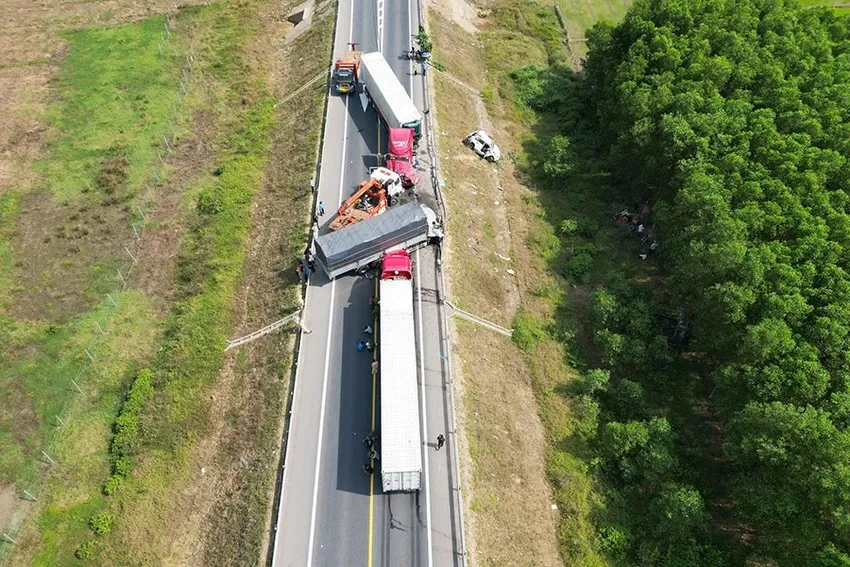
321 209
367 329
367 468
313 185
441 440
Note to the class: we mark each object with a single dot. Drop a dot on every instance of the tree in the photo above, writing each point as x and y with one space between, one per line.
793 474
560 159
639 451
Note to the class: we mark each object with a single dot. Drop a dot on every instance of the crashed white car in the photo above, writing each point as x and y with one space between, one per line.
483 145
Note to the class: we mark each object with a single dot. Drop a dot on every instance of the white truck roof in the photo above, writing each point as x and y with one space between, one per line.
387 91
401 439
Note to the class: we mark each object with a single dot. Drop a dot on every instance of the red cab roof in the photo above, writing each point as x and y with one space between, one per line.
396 265
401 142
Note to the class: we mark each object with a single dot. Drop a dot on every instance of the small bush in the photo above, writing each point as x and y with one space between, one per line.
579 267
425 43
614 540
209 202
594 381
569 227
586 413
587 249
112 485
85 551
101 524
588 228
528 331
545 242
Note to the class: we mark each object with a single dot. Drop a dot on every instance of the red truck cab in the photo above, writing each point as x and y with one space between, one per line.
400 155
397 265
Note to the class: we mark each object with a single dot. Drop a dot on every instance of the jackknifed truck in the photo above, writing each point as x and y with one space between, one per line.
401 439
388 95
356 248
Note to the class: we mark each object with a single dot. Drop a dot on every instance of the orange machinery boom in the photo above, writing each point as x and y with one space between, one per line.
356 208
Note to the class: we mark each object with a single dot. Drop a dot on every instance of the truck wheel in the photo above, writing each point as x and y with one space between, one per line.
393 201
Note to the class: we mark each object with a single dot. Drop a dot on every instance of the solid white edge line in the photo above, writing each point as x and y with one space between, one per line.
310 543
295 397
293 412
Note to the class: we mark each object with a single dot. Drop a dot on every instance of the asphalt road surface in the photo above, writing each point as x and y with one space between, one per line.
331 513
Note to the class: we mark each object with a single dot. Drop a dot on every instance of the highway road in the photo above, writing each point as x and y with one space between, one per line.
331 513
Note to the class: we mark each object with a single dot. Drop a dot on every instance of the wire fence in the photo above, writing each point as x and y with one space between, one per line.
32 491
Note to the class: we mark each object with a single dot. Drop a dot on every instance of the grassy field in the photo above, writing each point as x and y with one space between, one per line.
515 394
840 8
53 352
126 487
61 241
579 15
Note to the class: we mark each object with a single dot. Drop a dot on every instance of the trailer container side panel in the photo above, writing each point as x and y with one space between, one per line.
388 94
401 457
371 237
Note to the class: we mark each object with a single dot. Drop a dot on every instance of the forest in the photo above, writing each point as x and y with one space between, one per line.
726 125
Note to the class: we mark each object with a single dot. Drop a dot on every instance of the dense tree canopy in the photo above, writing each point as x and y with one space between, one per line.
733 118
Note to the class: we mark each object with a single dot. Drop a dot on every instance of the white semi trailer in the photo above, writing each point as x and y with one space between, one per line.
388 95
401 440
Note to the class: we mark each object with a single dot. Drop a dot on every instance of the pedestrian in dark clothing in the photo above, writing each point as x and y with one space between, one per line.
321 209
316 220
311 264
299 269
307 272
370 346
368 469
313 186
373 454
440 441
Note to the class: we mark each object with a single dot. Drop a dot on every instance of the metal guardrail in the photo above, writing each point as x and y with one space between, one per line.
480 320
271 328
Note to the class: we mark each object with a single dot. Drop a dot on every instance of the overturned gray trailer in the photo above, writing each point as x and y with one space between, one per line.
356 247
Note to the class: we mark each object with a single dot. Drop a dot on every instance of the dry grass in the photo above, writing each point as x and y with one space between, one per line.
512 521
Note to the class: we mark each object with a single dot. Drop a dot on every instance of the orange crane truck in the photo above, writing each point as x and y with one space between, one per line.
372 198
